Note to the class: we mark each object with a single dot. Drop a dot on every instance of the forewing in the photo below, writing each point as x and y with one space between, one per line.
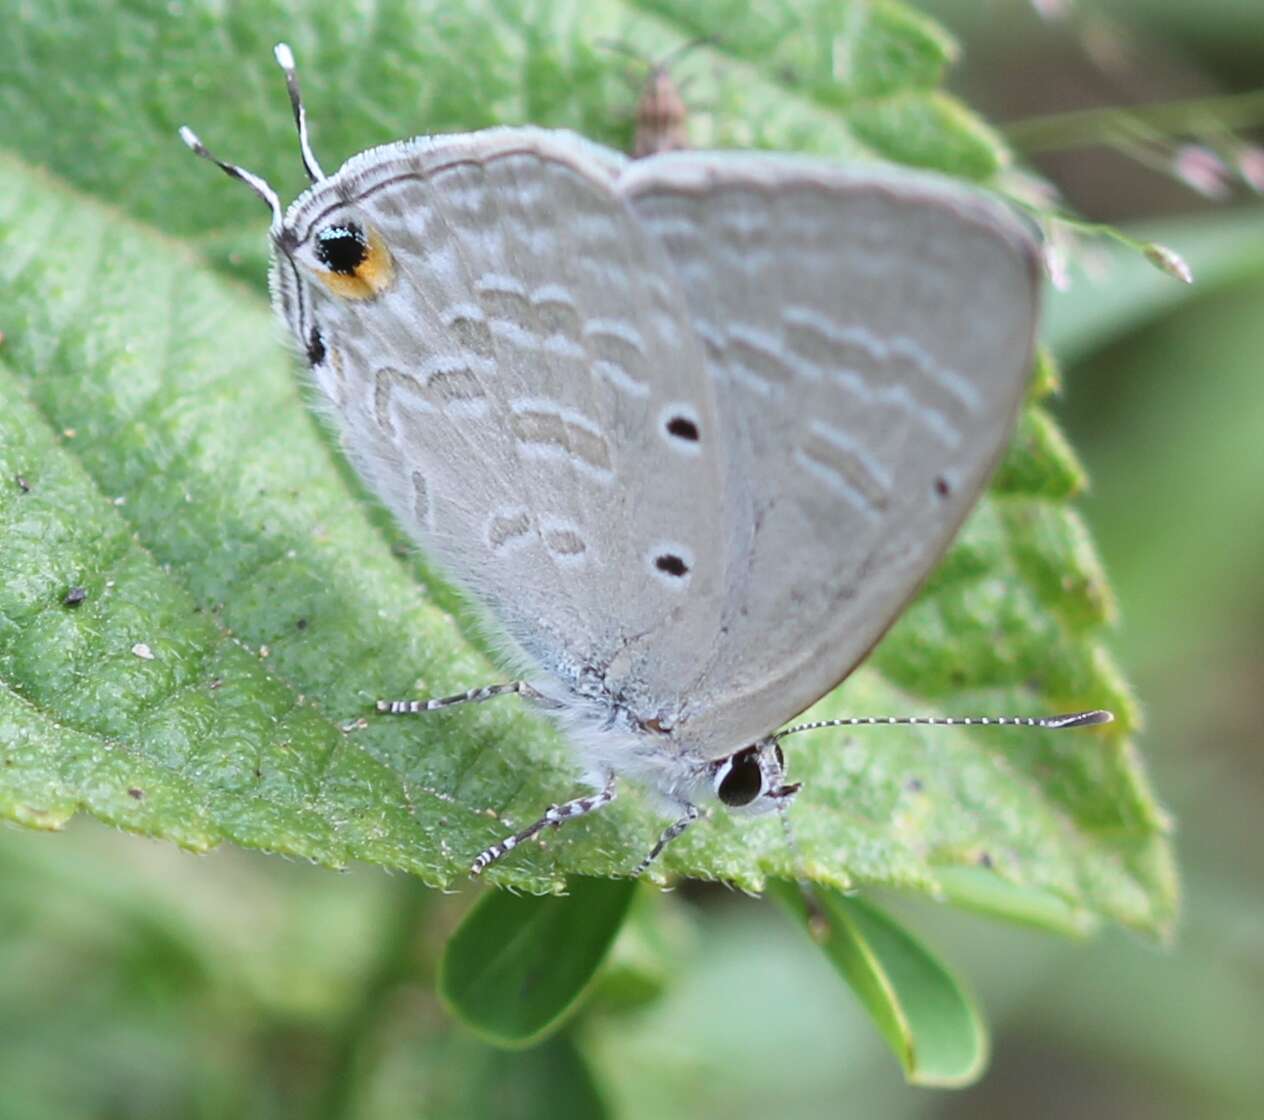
868 335
511 394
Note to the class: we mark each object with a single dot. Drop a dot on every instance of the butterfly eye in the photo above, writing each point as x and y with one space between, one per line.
342 249
742 781
357 263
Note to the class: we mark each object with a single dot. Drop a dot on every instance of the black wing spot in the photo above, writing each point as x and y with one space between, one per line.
315 347
672 564
941 486
342 248
683 428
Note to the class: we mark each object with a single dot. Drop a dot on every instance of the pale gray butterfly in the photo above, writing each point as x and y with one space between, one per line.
691 430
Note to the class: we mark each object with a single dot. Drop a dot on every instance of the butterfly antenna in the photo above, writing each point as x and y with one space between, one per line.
254 182
1049 723
665 60
285 59
688 47
624 49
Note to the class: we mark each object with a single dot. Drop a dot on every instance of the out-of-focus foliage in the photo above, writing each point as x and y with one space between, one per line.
518 964
920 1008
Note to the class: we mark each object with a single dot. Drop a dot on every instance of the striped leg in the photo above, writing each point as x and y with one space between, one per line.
474 696
669 834
555 816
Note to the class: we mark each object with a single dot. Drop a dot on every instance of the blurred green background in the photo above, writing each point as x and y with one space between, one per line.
138 981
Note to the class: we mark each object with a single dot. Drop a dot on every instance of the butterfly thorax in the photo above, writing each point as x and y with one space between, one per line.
609 738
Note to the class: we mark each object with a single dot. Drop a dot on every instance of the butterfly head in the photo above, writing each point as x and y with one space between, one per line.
751 781
323 245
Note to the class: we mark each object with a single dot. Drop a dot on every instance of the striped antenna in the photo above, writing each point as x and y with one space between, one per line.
285 59
254 182
1050 723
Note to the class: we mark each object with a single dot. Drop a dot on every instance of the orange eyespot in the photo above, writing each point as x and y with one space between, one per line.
358 263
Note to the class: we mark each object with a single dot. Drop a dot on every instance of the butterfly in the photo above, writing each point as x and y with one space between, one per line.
689 430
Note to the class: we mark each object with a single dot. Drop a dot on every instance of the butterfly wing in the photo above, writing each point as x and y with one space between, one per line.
868 335
526 394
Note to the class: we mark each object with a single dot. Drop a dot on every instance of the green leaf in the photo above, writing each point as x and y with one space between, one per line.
519 963
976 888
209 521
645 960
96 94
918 1006
540 1084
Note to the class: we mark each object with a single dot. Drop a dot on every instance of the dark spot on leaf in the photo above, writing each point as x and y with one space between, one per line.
342 248
258 772
301 624
315 347
913 785
985 860
671 564
75 596
23 485
138 794
683 428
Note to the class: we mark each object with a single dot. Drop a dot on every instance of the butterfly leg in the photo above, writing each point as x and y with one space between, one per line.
554 817
473 696
669 834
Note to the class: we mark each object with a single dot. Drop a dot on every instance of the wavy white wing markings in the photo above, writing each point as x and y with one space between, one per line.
511 396
869 335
